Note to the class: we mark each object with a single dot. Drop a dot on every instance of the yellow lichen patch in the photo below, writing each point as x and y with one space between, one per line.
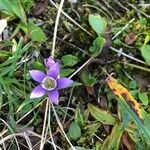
122 92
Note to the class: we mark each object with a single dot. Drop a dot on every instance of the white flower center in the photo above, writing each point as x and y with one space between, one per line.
49 83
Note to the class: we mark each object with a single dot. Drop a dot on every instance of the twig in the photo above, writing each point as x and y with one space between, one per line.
81 67
119 3
49 126
139 10
56 27
70 97
118 33
144 5
72 20
12 134
128 56
60 125
39 136
137 66
44 126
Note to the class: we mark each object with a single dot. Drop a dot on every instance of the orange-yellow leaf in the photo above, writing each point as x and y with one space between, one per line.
122 92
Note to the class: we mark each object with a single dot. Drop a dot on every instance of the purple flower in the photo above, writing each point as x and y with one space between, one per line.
49 62
49 83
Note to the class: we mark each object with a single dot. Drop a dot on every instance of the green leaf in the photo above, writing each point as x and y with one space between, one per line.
144 98
101 115
36 33
13 8
12 124
5 53
38 66
112 142
147 39
19 11
1 96
143 21
74 131
79 117
143 124
98 44
66 72
145 50
125 116
6 7
133 84
92 128
98 23
70 60
87 78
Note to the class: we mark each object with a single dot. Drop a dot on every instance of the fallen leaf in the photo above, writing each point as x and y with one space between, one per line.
90 90
127 142
130 38
122 92
127 101
40 7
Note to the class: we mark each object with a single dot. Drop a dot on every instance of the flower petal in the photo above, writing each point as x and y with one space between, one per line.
64 83
37 75
49 62
54 70
54 97
37 92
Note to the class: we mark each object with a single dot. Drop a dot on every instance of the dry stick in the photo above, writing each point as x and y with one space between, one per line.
139 10
3 142
11 131
138 67
46 131
71 19
91 6
119 3
81 67
144 5
107 4
49 126
106 10
28 141
70 97
44 125
123 28
128 56
60 125
28 113
22 135
56 27
97 137
39 136
10 136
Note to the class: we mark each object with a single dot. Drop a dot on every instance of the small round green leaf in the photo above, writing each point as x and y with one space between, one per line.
144 98
98 23
74 131
97 47
145 50
69 60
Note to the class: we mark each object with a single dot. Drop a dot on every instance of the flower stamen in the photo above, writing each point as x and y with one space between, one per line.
49 83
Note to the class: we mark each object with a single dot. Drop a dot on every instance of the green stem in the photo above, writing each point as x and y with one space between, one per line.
138 67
